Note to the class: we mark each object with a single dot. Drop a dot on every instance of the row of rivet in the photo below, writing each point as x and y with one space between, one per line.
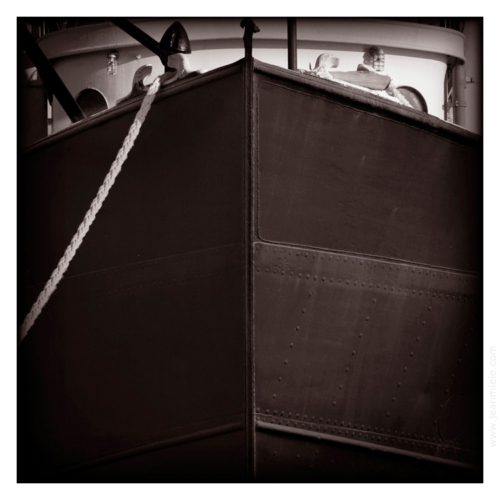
465 298
341 423
459 361
367 434
405 268
297 328
336 423
353 353
405 369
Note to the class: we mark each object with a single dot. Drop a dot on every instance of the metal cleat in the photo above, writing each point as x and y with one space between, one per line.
138 87
179 68
180 64
171 50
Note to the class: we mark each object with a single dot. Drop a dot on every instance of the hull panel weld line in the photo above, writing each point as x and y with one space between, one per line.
187 438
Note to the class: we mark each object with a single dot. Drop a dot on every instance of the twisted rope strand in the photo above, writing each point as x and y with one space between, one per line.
95 206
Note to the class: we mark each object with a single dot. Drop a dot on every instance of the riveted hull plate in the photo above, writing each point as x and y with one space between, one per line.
382 352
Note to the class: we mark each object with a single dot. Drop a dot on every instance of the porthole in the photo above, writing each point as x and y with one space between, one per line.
414 97
91 101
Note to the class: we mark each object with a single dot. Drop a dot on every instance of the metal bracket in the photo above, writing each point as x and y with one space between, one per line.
472 79
454 104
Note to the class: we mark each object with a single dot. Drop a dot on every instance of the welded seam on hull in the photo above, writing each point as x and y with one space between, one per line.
157 445
151 262
371 446
255 199
249 134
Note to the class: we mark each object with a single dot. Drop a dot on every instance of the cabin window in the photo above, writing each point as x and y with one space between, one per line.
91 101
415 98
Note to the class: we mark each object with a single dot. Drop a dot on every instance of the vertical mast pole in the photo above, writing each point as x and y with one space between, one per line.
292 42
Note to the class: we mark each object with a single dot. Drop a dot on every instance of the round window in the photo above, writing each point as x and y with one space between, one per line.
415 98
91 101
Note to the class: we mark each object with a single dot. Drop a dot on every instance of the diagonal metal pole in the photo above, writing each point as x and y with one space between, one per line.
139 35
51 79
162 49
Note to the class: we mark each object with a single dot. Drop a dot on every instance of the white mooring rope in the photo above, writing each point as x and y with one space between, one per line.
56 276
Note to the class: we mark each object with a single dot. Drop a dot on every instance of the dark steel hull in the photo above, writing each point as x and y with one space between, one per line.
283 285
